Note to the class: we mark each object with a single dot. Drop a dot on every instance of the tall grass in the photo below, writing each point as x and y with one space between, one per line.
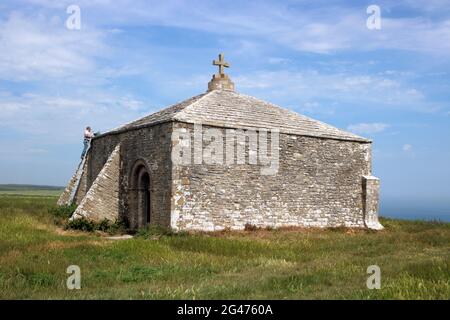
279 264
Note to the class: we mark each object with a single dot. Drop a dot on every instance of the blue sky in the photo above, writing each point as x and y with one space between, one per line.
318 58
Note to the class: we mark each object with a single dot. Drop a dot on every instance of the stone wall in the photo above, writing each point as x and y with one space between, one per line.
318 184
102 200
149 145
371 189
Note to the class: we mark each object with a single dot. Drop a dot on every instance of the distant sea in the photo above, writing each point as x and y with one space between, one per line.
415 208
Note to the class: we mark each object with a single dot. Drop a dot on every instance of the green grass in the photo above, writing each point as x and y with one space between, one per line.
51 193
30 190
277 264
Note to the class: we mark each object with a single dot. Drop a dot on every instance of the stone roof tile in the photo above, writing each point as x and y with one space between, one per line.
229 109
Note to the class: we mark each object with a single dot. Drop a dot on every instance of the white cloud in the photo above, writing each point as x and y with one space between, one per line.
325 29
315 108
38 48
367 128
310 106
36 151
66 70
278 60
60 119
407 147
343 87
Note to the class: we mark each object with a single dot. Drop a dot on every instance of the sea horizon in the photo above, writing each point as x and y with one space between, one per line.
414 208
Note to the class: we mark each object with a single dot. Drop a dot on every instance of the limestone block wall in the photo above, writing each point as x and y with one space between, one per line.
102 200
318 184
371 187
149 145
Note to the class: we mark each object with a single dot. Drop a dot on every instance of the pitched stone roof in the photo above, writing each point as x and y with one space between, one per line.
229 109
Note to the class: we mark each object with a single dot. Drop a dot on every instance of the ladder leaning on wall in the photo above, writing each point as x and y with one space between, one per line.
79 175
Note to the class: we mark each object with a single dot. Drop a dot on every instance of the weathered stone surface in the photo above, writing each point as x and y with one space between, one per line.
220 82
371 187
319 182
228 109
102 200
149 146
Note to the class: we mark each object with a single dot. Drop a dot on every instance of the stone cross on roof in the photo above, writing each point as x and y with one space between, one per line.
221 81
221 63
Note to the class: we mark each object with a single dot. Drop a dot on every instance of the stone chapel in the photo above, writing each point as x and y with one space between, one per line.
222 160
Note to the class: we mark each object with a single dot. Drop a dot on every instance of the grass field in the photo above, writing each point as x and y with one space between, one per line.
30 190
277 264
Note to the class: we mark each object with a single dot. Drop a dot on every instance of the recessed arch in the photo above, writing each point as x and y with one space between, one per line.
140 211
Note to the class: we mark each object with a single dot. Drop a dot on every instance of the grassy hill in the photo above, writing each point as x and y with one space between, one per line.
414 258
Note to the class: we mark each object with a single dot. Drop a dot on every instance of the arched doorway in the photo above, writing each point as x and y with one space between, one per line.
140 197
144 187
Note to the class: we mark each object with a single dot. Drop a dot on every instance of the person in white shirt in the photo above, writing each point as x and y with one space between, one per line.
88 135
